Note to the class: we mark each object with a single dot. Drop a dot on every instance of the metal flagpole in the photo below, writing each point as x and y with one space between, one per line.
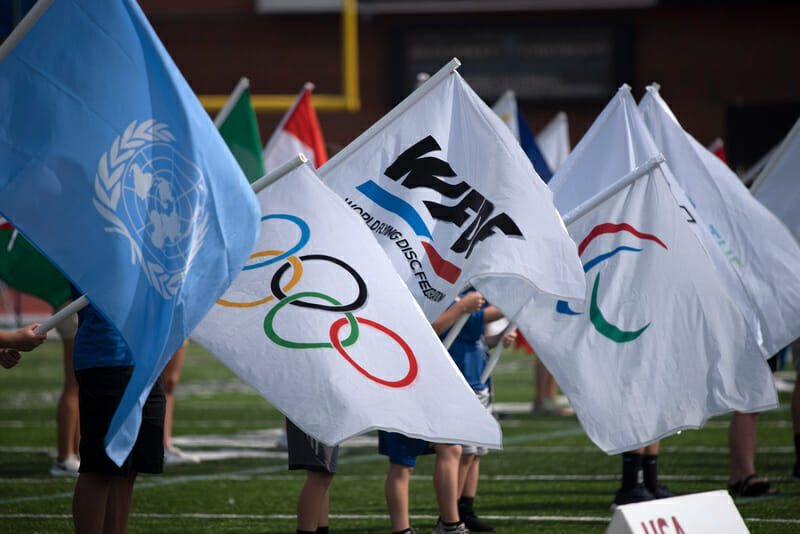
240 88
23 27
498 350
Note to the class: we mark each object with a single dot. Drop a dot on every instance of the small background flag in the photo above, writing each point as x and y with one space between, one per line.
453 200
113 169
25 269
322 327
660 346
507 109
553 141
778 186
238 125
298 133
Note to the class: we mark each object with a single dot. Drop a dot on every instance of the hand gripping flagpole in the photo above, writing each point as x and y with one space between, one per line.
81 302
498 350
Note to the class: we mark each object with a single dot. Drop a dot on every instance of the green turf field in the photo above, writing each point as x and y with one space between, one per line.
549 479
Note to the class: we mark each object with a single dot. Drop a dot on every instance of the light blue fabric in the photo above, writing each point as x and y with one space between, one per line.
112 168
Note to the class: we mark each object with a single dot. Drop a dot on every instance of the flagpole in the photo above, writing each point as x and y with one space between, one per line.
775 157
498 350
582 209
280 172
455 330
242 85
23 27
306 86
398 110
74 306
81 302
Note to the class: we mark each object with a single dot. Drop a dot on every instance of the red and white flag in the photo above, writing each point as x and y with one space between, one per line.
297 133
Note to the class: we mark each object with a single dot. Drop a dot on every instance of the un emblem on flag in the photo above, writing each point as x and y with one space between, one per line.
154 196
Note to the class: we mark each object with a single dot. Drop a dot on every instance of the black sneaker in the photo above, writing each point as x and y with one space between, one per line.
662 492
476 524
638 493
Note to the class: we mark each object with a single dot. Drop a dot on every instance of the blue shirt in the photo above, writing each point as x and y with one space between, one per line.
97 343
470 350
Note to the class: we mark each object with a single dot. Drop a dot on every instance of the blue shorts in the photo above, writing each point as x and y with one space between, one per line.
401 449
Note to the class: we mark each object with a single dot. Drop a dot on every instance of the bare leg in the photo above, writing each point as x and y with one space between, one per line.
67 415
101 503
397 495
445 480
468 472
170 375
312 504
742 438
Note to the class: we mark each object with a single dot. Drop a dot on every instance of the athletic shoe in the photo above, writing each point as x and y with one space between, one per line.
476 524
68 467
662 492
558 405
458 529
638 493
175 456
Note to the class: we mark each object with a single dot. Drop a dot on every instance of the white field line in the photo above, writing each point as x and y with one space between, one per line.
515 518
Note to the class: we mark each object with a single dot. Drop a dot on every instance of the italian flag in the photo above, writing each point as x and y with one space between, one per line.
297 133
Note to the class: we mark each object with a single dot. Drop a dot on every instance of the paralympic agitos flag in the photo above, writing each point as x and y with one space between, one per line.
320 324
660 346
453 200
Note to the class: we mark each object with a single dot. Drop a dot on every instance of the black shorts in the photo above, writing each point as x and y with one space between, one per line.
99 392
307 453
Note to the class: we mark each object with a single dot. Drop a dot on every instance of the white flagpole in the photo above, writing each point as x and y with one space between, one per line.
583 208
23 27
241 85
398 110
455 330
74 306
498 350
81 302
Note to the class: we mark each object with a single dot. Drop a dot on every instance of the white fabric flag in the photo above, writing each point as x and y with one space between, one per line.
778 185
757 258
453 200
660 346
322 327
553 140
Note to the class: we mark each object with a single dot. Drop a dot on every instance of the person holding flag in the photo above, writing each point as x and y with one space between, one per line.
23 340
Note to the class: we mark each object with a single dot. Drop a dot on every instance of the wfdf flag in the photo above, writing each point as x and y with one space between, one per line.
757 258
660 346
322 327
453 200
507 109
297 133
25 269
238 125
778 187
110 165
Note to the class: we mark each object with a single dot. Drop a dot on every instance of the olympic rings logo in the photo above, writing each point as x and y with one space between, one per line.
311 300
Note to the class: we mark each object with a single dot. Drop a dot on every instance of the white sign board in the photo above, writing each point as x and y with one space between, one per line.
707 513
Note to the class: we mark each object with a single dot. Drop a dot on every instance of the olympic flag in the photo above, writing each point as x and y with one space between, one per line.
320 324
110 166
661 346
453 200
756 256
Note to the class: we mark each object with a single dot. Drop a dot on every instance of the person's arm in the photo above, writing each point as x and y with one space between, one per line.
469 303
24 339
